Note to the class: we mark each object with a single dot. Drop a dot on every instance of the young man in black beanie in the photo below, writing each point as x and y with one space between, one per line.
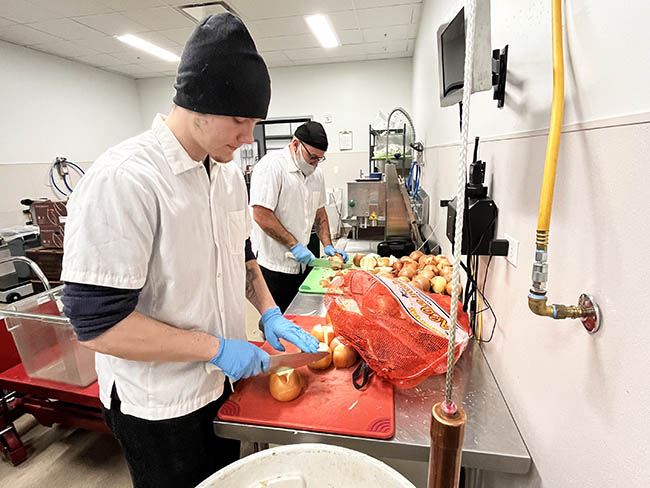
157 265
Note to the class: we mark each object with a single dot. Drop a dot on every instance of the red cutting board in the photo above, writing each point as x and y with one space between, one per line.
329 402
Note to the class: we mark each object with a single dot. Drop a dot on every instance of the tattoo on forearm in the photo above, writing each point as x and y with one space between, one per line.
282 239
251 294
322 227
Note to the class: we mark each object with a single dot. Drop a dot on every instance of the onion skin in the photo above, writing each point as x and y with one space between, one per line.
415 255
344 356
422 282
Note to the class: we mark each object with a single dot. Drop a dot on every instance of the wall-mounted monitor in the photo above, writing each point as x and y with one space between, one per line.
451 54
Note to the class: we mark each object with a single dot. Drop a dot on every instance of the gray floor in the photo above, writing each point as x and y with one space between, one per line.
65 458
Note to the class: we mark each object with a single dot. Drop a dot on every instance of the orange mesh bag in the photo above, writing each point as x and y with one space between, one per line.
399 330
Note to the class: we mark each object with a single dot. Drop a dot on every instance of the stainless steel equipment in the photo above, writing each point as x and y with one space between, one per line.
367 203
386 203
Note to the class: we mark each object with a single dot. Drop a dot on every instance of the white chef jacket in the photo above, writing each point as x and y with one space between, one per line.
278 184
147 216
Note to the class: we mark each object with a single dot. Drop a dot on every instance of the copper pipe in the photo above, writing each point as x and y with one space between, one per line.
538 305
447 433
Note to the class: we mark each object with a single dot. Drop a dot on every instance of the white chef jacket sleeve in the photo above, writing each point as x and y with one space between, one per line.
266 183
109 233
323 192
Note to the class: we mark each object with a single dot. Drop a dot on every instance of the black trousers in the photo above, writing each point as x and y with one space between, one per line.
283 286
178 452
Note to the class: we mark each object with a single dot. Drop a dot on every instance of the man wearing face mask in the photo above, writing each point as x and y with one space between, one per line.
287 197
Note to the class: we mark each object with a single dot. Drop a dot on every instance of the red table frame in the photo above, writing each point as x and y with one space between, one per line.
49 402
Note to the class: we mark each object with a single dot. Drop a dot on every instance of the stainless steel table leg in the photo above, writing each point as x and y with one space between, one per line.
473 478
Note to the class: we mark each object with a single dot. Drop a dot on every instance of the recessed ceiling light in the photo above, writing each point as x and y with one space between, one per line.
323 30
198 11
146 46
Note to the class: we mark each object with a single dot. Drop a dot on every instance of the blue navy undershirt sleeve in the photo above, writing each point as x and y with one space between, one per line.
248 251
93 310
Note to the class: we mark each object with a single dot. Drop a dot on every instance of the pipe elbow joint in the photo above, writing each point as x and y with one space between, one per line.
537 304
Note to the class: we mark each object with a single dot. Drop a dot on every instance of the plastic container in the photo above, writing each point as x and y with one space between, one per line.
307 466
46 342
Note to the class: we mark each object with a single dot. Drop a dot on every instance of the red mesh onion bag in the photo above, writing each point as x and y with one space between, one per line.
399 330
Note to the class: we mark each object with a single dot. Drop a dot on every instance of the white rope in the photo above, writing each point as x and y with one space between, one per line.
470 6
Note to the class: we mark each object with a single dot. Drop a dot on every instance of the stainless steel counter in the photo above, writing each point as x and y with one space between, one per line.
492 440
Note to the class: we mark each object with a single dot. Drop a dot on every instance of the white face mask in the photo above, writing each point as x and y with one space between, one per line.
306 168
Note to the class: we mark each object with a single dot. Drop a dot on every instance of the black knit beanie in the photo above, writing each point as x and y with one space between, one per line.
221 72
312 133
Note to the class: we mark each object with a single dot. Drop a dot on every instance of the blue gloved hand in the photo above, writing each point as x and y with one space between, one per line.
302 254
276 326
330 251
240 359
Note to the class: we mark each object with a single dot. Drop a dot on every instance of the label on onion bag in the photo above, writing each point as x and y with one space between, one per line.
423 309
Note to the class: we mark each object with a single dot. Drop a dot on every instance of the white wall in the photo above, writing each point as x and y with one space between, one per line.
352 93
55 107
579 400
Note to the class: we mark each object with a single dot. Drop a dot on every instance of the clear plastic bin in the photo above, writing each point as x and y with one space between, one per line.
46 342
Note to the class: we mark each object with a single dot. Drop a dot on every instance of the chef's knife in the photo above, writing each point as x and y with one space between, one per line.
293 360
324 263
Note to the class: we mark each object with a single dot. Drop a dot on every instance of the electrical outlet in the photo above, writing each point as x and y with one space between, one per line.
513 250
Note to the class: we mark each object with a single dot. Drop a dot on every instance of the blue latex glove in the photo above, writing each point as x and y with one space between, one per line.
240 359
276 327
330 251
302 254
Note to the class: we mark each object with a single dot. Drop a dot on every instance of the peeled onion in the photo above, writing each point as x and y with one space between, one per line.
344 356
285 384
337 261
326 361
383 262
335 343
438 284
368 263
323 333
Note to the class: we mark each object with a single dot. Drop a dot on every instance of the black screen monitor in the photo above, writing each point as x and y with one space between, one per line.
453 54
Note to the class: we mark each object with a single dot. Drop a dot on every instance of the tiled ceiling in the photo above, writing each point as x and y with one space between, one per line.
84 30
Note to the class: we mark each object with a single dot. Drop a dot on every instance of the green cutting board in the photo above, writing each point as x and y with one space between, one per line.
312 282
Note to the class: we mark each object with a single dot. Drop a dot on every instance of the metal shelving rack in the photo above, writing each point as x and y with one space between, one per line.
375 135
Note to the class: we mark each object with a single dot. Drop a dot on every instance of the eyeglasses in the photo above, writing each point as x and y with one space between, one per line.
312 158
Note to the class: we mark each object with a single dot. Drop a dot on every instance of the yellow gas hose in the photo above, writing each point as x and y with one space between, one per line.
553 144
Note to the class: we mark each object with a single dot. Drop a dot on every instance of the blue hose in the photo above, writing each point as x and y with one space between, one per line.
65 180
413 180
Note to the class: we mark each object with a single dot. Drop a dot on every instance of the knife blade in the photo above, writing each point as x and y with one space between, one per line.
324 262
293 360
